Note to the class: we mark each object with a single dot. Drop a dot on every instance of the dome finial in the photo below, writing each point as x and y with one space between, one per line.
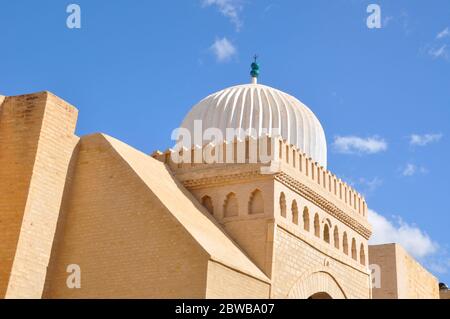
255 70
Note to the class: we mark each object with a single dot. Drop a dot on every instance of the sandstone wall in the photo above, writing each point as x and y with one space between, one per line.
224 282
124 240
253 233
402 277
36 143
296 260
300 252
414 281
383 257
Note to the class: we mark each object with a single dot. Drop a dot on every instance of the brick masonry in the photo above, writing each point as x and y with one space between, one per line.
137 229
36 143
402 277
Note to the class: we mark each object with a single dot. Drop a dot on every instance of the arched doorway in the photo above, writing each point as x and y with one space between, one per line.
320 295
317 284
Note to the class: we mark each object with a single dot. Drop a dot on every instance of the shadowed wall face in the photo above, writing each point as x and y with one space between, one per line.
36 143
402 277
120 235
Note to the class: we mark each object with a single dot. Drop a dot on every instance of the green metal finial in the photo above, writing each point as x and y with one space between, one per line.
255 68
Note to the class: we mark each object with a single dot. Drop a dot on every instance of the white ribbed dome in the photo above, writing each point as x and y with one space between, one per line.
261 107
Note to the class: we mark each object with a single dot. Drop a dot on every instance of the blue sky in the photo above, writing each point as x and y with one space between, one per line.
135 68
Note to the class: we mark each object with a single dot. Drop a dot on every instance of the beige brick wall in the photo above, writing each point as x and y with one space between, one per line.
224 282
36 143
255 237
415 282
324 219
122 237
300 256
402 277
255 233
129 245
383 256
20 123
295 260
251 232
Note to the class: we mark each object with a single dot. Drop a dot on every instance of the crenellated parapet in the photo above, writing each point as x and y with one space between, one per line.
275 155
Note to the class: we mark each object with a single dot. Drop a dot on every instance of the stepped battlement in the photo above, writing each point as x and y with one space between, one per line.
267 151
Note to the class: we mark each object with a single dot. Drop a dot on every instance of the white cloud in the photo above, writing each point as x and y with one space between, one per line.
409 170
387 20
270 7
228 8
412 169
404 18
437 49
366 186
370 185
358 145
444 33
400 20
439 266
410 237
223 49
439 52
423 140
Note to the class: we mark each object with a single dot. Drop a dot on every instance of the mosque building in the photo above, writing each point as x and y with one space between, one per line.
254 214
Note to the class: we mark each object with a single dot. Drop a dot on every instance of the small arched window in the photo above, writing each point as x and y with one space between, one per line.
336 237
294 212
230 207
256 203
326 233
354 252
316 226
207 203
306 219
345 243
362 255
283 205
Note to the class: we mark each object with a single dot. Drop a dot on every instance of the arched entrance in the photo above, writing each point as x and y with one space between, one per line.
319 284
320 295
